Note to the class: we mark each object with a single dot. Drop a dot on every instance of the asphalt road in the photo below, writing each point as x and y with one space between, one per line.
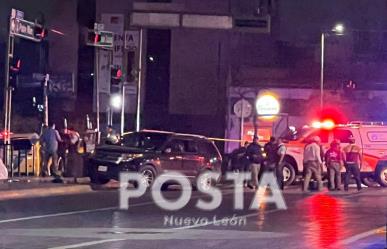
92 220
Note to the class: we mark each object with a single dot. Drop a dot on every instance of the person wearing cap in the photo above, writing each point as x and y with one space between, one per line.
255 158
334 160
313 163
352 162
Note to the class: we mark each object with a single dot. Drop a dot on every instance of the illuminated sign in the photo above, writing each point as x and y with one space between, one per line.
267 105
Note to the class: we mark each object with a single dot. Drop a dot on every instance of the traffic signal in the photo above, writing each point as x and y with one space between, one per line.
102 39
14 69
116 75
40 32
93 37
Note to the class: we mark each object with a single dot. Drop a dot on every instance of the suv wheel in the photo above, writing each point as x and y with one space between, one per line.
205 181
289 173
148 175
381 175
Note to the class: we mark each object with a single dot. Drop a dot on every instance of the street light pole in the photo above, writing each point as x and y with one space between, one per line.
322 71
338 29
139 81
96 82
45 94
122 107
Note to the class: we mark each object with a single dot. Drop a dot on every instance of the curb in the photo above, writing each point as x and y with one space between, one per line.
67 180
44 192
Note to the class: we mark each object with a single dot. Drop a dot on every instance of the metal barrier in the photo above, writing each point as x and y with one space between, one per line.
23 158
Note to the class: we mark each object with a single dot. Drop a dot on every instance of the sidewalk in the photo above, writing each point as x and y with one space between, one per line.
31 187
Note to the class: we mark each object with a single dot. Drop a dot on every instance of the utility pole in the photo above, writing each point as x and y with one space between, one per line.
139 81
18 27
45 95
122 107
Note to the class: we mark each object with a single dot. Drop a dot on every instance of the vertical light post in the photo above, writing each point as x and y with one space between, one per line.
45 93
122 107
337 30
139 81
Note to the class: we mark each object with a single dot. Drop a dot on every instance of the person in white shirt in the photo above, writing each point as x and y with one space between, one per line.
312 163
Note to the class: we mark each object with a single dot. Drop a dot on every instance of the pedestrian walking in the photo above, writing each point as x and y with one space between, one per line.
255 157
352 162
334 159
312 163
49 140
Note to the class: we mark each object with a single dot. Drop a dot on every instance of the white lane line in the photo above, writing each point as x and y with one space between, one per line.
55 215
360 236
83 211
96 242
91 243
71 213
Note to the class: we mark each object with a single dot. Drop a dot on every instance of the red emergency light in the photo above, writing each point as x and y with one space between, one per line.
326 124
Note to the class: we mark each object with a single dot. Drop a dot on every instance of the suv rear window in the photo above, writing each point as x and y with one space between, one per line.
145 140
208 148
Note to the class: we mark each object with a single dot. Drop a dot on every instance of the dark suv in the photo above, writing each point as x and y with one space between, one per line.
155 152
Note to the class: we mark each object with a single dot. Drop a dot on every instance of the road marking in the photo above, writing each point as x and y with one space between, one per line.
185 228
360 236
91 243
55 215
84 211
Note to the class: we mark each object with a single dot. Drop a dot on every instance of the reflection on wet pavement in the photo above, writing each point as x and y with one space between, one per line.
325 221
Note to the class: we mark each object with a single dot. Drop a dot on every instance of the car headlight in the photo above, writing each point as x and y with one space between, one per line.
130 157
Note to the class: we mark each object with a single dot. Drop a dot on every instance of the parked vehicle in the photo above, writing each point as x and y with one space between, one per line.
155 152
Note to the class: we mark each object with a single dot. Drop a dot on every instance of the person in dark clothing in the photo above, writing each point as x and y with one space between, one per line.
352 163
238 158
270 149
334 160
280 157
255 157
50 140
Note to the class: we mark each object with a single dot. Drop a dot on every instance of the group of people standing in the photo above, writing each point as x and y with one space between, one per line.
335 159
255 159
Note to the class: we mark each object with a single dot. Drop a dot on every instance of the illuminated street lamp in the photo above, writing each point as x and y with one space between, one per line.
116 101
338 29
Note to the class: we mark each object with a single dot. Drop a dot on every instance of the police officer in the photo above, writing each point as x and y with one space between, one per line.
255 157
352 162
280 156
334 160
270 149
238 158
